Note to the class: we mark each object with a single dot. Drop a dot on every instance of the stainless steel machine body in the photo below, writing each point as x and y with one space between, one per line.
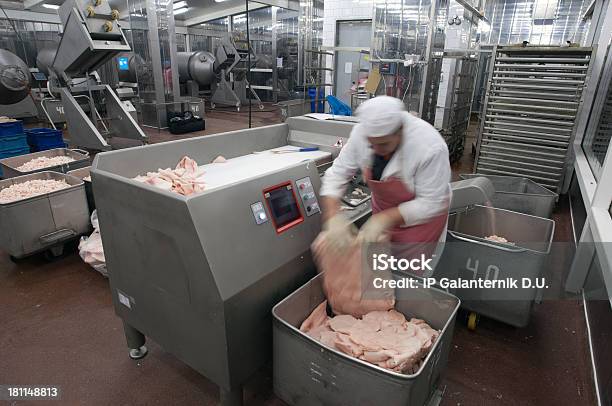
232 63
309 373
197 77
92 36
200 274
197 66
46 221
9 165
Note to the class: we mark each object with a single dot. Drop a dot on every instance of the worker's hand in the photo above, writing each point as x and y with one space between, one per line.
340 233
375 229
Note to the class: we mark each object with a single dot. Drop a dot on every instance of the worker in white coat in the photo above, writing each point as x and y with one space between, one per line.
405 163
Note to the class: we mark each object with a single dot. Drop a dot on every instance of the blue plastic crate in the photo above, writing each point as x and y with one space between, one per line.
44 138
39 148
13 128
12 142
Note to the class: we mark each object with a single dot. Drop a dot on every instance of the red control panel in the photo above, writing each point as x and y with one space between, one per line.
283 206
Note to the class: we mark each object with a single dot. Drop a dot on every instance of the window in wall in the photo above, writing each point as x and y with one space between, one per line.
33 36
181 42
599 128
596 142
202 37
541 22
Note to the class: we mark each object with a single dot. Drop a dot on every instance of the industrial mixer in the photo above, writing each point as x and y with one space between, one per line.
15 81
91 36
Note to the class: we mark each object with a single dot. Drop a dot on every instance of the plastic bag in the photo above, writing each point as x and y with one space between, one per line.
91 250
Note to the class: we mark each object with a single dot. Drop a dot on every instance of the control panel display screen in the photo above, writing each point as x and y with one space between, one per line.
39 76
123 63
284 209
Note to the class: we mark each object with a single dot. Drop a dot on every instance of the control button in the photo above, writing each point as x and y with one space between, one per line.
308 209
302 186
258 213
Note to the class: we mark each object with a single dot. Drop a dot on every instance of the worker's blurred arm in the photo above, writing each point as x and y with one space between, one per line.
339 175
331 207
432 189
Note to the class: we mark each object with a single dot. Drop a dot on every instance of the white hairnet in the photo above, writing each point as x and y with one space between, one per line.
380 116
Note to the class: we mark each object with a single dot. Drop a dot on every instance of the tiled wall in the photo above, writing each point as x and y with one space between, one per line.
342 10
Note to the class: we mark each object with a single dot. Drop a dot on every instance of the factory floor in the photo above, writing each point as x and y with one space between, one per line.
59 328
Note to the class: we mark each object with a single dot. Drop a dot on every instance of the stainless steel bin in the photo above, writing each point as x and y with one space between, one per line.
9 165
308 373
46 221
519 194
467 255
83 173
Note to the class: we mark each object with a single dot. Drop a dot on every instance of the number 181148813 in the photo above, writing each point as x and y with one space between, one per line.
15 392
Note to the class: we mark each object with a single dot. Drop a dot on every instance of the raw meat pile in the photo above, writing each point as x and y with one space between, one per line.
87 178
496 238
44 162
30 188
5 119
185 179
383 338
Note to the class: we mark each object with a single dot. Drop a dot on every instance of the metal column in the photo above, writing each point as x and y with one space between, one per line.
156 64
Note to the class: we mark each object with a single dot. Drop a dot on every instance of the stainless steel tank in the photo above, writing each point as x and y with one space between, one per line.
197 66
44 60
14 78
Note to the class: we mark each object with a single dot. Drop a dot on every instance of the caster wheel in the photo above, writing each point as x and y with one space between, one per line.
238 109
53 253
14 259
472 321
213 105
261 107
138 353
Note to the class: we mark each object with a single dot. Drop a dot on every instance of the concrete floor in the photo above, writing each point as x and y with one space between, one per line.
59 328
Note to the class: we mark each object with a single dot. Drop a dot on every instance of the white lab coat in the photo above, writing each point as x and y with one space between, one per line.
421 162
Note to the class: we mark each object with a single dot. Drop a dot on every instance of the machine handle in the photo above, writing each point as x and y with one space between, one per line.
80 151
457 236
56 236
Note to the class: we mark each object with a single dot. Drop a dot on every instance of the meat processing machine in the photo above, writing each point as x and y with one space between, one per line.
15 81
197 73
221 76
200 274
232 61
91 37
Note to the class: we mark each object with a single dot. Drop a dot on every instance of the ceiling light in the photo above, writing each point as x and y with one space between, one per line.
179 4
181 11
51 6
